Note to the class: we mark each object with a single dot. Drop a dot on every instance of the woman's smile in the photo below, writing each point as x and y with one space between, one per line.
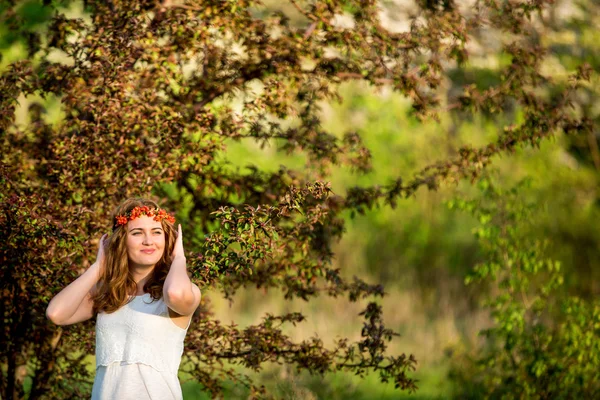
148 251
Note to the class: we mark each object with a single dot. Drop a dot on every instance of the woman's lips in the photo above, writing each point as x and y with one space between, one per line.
147 251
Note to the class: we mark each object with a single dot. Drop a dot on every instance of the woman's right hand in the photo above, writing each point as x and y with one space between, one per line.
101 254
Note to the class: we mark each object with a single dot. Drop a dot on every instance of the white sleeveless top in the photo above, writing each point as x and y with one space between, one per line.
138 352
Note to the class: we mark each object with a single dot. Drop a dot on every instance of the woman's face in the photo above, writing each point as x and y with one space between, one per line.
145 241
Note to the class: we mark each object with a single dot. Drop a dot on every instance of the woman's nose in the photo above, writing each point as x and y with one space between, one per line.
147 239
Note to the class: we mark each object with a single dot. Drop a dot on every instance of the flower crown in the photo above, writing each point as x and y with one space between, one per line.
158 213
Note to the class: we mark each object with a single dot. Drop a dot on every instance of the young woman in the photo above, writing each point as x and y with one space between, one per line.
143 300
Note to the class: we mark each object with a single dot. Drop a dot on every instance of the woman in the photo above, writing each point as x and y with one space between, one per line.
144 300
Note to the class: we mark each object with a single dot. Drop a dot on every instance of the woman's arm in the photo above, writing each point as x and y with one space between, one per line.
179 293
73 304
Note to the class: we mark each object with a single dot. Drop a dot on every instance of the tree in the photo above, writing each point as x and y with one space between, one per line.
151 94
543 343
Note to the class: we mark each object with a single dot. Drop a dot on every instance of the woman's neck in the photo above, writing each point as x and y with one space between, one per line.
141 275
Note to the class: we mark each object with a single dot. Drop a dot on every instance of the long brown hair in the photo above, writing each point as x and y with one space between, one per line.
116 283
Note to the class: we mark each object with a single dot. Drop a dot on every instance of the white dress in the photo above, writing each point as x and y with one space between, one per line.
138 352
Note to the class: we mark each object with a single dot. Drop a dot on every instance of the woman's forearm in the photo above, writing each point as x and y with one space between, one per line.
65 303
177 284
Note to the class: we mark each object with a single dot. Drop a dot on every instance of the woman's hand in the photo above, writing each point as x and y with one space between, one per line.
101 255
101 246
178 249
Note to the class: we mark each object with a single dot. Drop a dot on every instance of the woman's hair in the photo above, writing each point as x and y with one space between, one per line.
116 282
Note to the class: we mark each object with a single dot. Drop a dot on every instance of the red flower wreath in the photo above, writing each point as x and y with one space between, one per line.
158 213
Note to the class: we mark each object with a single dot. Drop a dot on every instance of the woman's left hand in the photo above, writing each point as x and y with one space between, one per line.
178 249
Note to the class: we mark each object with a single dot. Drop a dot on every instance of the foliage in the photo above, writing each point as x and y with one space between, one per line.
544 343
151 93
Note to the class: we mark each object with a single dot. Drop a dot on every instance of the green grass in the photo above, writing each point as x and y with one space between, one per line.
433 384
